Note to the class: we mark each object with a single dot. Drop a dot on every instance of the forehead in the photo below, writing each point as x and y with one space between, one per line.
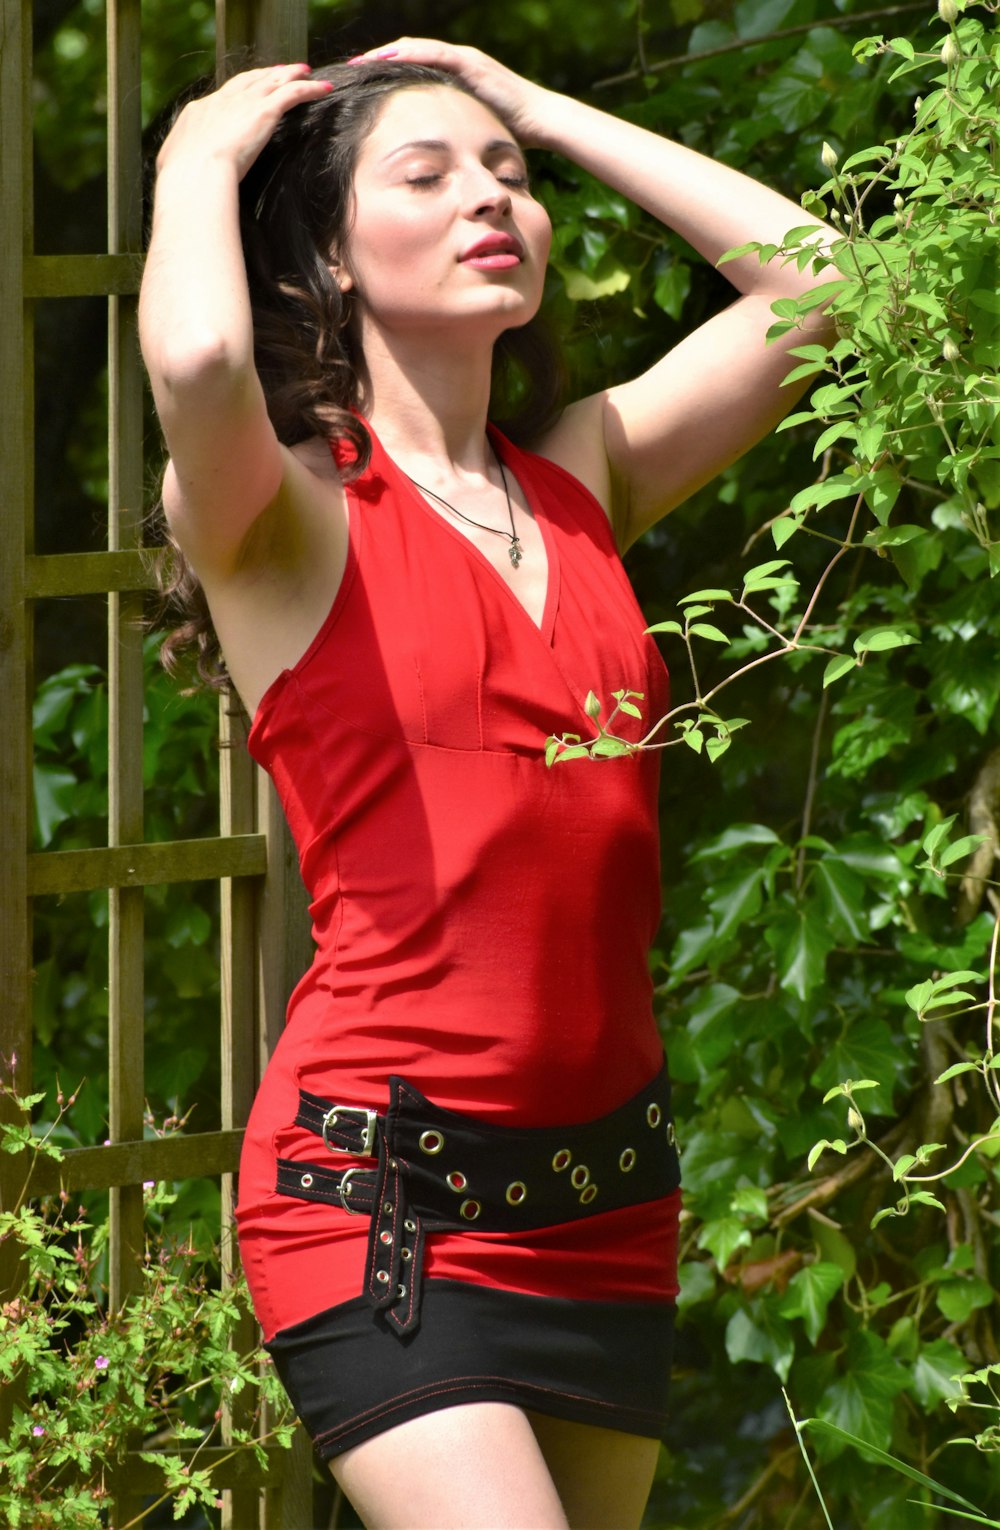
430 112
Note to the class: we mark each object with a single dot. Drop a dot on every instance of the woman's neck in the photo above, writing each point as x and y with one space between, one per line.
429 407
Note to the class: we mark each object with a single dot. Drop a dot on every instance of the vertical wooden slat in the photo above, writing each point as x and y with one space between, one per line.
268 31
126 982
239 1030
16 626
16 540
125 676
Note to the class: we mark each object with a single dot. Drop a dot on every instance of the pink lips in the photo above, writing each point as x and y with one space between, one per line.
497 252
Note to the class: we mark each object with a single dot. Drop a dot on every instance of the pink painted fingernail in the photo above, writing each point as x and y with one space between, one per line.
355 60
387 53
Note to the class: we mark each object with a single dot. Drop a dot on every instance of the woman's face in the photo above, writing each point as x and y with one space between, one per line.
445 230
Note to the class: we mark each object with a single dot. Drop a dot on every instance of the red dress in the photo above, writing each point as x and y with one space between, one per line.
482 921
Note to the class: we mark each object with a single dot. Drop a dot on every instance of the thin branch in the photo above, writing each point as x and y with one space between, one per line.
755 42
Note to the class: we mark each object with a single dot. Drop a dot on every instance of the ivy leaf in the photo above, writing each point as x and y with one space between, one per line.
935 1372
810 1292
801 941
841 893
958 1299
866 1049
761 1334
861 1402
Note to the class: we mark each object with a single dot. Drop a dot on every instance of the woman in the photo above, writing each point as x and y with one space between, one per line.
458 1196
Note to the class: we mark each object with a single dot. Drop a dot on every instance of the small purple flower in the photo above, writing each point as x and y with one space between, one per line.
37 1430
101 1363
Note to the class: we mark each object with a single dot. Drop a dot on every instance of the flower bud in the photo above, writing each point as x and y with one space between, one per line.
951 52
829 158
855 1120
948 11
898 203
592 706
949 350
835 216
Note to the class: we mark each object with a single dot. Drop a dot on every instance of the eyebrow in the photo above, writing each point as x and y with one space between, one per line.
440 145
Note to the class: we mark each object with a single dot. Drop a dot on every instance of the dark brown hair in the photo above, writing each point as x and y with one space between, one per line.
295 209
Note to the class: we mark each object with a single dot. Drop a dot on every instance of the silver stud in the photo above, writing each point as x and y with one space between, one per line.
627 1160
385 1237
469 1210
456 1180
516 1192
393 1164
387 1206
562 1160
406 1253
306 1181
382 1277
580 1176
654 1115
410 1225
431 1142
587 1195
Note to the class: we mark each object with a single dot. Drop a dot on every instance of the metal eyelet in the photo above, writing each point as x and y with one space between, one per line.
516 1192
406 1253
469 1210
306 1181
387 1206
627 1160
562 1160
654 1115
431 1142
410 1225
400 1291
580 1176
456 1180
385 1237
587 1195
381 1277
671 1134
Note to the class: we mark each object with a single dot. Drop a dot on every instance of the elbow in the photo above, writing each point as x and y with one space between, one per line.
193 361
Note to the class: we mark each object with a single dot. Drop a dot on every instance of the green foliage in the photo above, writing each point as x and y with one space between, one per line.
85 1381
180 758
826 954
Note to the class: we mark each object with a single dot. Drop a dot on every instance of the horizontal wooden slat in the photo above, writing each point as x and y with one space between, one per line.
200 1156
63 276
89 573
149 865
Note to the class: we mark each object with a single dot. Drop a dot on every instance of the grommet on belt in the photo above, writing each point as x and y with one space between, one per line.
671 1134
654 1115
456 1180
469 1210
627 1160
431 1142
580 1176
516 1192
562 1160
587 1195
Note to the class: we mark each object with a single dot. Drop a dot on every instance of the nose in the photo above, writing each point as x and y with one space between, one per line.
488 195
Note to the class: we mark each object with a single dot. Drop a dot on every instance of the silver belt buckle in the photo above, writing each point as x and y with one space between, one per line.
370 1125
345 1189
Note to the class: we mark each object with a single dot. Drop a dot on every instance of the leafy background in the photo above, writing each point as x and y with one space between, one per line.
803 897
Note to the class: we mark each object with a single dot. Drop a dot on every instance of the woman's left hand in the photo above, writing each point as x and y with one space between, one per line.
519 102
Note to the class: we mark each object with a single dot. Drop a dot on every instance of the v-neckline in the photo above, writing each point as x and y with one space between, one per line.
503 448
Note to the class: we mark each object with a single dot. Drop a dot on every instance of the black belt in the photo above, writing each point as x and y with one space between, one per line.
437 1170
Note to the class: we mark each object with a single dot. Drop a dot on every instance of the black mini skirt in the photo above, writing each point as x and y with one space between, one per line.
351 1376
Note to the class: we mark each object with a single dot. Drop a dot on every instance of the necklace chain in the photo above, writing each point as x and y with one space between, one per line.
514 551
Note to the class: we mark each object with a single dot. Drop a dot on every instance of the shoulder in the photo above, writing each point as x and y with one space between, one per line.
576 445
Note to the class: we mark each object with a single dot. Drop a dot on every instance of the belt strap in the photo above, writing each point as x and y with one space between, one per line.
437 1170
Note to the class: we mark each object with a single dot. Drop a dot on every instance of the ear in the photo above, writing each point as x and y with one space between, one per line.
341 275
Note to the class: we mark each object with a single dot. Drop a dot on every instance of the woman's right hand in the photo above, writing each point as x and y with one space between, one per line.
236 121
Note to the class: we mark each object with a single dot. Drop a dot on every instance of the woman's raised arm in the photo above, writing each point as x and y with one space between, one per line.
194 315
643 447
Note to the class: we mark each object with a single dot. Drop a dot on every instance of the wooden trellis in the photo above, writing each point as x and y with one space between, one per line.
264 936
